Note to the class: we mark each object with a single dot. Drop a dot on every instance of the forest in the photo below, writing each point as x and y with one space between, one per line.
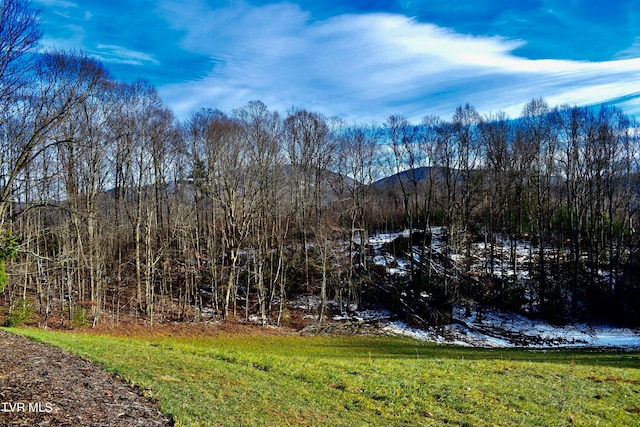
112 208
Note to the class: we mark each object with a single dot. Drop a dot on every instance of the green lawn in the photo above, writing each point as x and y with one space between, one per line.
245 380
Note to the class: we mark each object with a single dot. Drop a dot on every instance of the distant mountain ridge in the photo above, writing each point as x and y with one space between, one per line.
418 174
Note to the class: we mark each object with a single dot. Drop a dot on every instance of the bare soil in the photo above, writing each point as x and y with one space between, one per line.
44 386
232 326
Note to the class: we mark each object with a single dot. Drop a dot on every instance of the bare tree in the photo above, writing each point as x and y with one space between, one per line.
82 143
309 148
404 160
261 135
141 179
500 195
356 164
60 81
19 34
540 133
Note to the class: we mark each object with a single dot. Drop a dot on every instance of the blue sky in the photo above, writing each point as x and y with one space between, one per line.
362 60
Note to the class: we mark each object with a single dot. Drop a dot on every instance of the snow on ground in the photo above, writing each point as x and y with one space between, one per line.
511 257
489 328
505 330
365 316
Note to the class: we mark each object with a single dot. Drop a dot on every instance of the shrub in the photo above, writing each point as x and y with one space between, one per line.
8 250
20 313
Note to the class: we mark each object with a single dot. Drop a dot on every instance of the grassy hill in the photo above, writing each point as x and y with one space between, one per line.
221 379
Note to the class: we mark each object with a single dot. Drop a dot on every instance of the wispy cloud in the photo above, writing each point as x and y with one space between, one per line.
121 55
367 66
68 32
632 51
363 65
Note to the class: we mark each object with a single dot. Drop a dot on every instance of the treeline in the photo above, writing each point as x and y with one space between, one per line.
564 180
111 208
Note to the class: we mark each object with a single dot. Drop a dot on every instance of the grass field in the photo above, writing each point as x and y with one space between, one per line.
258 380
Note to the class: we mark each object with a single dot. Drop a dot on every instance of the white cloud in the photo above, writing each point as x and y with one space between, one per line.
75 36
365 67
121 55
632 51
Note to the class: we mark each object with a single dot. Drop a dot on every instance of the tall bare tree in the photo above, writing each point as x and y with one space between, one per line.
539 131
356 164
309 148
261 132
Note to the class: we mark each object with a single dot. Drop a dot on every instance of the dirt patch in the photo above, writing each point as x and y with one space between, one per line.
233 326
345 328
43 386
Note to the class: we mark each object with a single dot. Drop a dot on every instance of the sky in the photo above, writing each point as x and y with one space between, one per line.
361 60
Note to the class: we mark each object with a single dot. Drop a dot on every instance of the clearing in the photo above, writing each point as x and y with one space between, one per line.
209 376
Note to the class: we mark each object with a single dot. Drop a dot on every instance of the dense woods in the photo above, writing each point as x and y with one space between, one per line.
110 207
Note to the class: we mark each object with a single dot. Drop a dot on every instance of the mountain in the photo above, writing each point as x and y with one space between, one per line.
419 174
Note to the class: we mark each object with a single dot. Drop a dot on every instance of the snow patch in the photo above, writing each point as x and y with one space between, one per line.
494 329
507 330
